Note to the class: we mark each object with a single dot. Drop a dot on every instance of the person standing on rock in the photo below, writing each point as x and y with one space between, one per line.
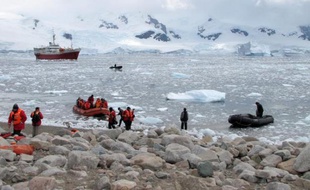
18 117
184 119
120 113
36 116
112 118
259 110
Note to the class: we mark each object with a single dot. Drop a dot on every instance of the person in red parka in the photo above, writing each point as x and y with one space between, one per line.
36 116
18 117
112 118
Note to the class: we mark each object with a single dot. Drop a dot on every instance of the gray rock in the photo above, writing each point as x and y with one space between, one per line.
59 150
52 160
4 142
42 183
205 169
182 140
108 159
302 163
271 160
205 153
40 144
255 150
248 176
128 137
9 155
81 160
123 184
152 134
174 152
285 154
225 156
112 133
239 168
3 172
148 161
57 140
277 186
103 183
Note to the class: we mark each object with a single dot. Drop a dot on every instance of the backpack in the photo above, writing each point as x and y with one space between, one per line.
35 118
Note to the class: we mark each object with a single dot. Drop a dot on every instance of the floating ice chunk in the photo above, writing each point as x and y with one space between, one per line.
56 92
150 120
288 85
254 94
198 96
162 109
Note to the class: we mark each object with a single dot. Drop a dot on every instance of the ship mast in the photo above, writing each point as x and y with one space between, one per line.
54 39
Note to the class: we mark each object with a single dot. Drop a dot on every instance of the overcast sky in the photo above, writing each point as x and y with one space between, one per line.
257 12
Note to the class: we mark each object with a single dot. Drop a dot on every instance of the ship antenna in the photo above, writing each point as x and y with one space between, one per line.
54 39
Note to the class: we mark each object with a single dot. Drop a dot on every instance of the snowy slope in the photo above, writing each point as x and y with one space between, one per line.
137 31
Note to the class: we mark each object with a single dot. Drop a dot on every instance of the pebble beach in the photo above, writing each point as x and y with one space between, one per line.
163 158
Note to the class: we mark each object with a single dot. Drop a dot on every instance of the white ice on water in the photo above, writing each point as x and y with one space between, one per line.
198 96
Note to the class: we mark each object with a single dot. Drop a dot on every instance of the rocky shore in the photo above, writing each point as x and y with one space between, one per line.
158 159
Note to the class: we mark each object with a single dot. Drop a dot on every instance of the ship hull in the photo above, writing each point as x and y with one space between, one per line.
73 55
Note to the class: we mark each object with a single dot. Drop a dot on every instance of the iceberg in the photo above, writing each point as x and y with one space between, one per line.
198 96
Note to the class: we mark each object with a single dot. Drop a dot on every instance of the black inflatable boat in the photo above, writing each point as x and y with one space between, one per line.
249 120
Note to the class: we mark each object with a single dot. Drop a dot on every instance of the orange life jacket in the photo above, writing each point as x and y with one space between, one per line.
87 105
105 104
126 115
98 103
16 117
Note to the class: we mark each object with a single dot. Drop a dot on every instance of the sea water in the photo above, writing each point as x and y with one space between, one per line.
280 84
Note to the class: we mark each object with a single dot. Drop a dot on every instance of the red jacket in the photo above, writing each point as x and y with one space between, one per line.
112 116
19 119
39 122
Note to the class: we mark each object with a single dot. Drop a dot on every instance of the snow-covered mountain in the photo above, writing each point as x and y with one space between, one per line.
116 33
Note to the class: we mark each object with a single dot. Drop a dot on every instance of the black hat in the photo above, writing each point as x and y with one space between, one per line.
15 107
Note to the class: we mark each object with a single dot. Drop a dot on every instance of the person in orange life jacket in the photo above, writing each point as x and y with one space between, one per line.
120 113
98 103
36 116
91 100
87 105
128 117
112 118
104 103
18 117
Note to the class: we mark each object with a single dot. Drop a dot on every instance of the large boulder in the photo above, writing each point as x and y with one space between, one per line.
148 161
174 152
82 160
302 163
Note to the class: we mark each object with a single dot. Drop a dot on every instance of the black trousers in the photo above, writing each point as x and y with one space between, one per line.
120 122
111 125
128 125
17 132
184 124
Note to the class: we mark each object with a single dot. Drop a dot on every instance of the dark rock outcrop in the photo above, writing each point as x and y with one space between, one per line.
238 31
107 25
268 31
306 32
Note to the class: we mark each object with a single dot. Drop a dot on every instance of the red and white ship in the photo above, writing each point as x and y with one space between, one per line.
54 51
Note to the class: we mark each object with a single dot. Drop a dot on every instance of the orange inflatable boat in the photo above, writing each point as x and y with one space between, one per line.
91 112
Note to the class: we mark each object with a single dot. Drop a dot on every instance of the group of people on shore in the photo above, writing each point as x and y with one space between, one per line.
91 103
18 118
127 116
